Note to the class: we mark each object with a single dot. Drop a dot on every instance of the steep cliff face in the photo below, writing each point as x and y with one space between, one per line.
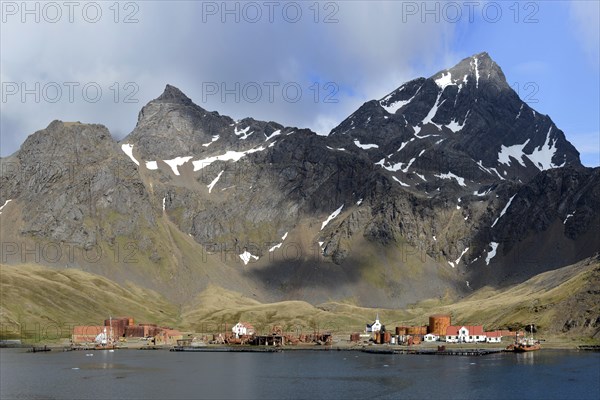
436 189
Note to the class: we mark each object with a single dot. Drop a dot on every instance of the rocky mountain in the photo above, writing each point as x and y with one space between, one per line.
445 185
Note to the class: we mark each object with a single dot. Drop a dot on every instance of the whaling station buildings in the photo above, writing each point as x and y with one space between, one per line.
440 328
120 329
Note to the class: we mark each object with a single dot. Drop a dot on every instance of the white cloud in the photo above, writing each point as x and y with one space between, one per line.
367 53
585 17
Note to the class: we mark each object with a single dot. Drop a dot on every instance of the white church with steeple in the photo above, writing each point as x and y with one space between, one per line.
375 326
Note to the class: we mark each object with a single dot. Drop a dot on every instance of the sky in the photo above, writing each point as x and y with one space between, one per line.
306 63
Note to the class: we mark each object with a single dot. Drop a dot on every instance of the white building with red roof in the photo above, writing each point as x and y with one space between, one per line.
465 334
493 337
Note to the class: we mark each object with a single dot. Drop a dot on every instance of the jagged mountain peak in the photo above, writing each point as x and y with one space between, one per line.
465 119
479 68
172 94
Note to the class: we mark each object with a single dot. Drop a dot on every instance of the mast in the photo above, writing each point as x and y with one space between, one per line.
111 339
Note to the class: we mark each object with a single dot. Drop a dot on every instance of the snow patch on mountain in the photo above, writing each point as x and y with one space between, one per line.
400 182
475 66
176 162
4 205
214 139
403 145
478 192
211 185
454 126
246 256
272 135
395 106
564 222
519 114
450 175
278 245
429 117
504 210
542 156
243 132
365 146
492 253
332 216
444 80
128 149
228 156
515 151
338 149
152 165
457 261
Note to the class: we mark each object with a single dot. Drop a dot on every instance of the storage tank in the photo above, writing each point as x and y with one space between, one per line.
387 337
401 330
416 330
439 323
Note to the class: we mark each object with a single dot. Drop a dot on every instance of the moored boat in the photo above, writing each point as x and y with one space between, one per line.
525 344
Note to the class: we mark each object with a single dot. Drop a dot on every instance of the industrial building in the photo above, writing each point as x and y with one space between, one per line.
438 324
243 329
122 328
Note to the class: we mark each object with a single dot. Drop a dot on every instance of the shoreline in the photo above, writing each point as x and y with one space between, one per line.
428 348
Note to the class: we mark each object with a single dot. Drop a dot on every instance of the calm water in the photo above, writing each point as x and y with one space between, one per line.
290 375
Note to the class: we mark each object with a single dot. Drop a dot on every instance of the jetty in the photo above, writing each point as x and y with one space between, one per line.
438 352
35 349
237 349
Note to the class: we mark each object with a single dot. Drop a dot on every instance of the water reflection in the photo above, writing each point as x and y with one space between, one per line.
291 375
527 358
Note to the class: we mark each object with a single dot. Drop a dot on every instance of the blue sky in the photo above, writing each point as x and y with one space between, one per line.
347 53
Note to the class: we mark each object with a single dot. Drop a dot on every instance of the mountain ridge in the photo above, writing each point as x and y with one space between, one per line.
389 209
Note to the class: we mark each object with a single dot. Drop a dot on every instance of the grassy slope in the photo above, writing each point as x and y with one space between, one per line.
33 294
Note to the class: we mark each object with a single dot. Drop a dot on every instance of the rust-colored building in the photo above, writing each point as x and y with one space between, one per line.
401 330
86 333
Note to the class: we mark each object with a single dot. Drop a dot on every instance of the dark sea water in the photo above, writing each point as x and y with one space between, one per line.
131 374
